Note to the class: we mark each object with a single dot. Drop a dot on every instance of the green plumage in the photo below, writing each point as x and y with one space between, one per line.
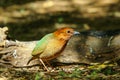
41 45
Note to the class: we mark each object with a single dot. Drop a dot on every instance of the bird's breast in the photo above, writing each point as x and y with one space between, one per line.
53 49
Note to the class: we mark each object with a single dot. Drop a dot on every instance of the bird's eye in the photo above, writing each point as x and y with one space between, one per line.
68 31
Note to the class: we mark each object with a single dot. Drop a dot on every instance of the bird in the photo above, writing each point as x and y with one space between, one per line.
52 45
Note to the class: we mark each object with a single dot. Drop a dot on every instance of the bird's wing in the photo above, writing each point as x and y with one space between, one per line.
41 45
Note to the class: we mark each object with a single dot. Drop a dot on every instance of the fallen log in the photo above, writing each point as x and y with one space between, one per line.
88 47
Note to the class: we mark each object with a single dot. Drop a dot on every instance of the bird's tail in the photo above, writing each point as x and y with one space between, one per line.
32 58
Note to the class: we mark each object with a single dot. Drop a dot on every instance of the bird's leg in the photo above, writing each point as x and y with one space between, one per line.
48 63
44 64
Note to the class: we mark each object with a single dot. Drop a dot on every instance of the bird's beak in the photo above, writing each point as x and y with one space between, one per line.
76 32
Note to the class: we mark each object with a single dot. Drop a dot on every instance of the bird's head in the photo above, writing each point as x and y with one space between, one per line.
65 33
